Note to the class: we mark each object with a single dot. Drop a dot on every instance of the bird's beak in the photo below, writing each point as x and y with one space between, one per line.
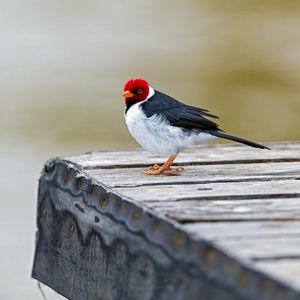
127 94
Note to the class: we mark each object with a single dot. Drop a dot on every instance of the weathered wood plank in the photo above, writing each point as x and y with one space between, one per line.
258 249
214 154
287 268
217 191
241 230
199 174
95 244
218 210
98 214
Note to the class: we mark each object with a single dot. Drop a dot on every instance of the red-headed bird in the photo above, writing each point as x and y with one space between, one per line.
164 126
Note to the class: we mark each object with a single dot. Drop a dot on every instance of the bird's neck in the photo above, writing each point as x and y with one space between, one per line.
129 101
151 93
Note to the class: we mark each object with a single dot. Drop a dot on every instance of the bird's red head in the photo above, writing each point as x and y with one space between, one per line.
135 90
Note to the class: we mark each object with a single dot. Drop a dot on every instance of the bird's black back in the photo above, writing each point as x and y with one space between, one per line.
179 114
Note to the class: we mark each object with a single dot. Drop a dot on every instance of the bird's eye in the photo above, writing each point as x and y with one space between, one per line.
139 91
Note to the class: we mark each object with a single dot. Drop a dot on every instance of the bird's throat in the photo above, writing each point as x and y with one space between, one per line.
129 102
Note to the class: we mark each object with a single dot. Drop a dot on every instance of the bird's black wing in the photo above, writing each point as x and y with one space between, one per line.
179 114
188 117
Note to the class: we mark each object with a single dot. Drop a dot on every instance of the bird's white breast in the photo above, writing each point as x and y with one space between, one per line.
156 135
153 134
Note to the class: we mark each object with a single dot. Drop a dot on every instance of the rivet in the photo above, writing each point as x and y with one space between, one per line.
92 190
177 239
78 183
43 211
242 277
156 225
228 268
104 201
210 255
136 216
121 205
67 174
265 286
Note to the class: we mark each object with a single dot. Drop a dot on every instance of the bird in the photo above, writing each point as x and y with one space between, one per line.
164 126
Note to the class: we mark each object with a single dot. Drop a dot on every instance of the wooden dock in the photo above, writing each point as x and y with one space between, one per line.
227 228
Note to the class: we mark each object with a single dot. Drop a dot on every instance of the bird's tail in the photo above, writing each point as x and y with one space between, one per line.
237 139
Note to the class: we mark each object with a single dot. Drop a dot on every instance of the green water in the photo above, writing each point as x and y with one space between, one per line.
64 63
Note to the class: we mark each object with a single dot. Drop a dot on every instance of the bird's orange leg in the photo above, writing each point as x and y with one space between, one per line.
166 168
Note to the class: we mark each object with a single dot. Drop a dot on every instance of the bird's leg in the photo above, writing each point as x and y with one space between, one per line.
165 168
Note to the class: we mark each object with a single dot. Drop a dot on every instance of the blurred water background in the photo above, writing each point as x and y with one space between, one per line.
62 69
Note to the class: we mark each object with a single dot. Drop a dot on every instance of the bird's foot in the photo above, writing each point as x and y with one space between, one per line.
154 167
173 171
157 170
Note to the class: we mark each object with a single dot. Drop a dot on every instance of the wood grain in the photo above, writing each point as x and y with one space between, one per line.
263 229
260 249
230 210
214 154
132 177
245 200
287 268
215 191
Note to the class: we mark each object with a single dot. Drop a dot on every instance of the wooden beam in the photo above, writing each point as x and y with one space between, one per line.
107 231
